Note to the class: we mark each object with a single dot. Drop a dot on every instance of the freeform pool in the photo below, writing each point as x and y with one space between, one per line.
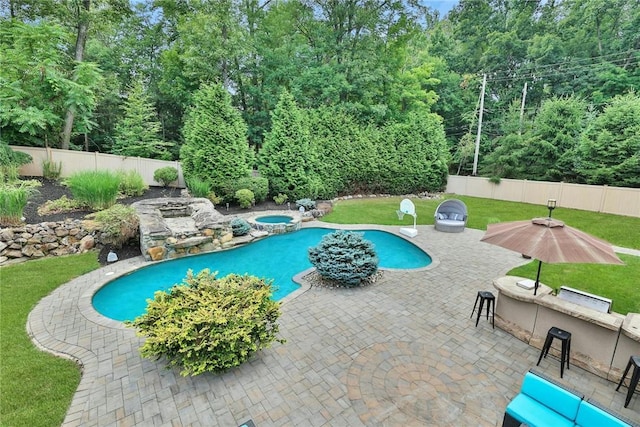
278 258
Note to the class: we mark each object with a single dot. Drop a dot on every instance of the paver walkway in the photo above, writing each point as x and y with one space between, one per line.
402 351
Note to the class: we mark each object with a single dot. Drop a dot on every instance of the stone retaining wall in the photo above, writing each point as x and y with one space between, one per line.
33 241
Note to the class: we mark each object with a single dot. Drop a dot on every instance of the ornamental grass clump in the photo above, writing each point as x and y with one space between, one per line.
13 199
132 183
345 257
209 324
96 189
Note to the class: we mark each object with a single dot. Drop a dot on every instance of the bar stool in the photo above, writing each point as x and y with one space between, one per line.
491 300
565 338
635 376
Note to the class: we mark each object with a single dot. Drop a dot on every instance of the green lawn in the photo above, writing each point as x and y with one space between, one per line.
618 230
36 387
618 283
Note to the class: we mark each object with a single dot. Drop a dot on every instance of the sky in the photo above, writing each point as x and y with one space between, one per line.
443 6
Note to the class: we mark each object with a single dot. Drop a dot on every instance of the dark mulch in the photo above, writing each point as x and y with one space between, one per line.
53 190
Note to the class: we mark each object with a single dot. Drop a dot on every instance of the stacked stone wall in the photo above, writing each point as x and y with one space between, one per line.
32 241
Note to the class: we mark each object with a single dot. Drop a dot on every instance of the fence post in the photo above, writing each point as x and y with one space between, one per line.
603 197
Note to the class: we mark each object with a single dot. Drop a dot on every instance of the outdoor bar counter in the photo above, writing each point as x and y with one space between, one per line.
601 343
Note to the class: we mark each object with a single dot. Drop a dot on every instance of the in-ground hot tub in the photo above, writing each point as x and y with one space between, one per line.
274 219
276 223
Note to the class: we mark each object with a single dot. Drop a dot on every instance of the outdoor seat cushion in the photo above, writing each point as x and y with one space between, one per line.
551 395
534 414
590 415
450 222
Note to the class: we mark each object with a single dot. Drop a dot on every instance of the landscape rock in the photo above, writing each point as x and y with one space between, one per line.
87 243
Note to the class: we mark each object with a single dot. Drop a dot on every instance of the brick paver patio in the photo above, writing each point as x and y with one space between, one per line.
402 351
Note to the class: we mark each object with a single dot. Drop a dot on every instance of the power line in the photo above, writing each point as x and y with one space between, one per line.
594 60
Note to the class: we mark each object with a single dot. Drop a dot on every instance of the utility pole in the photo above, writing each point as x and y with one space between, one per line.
475 156
524 97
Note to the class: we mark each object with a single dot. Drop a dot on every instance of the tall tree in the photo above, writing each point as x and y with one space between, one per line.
138 132
609 149
38 84
286 158
215 139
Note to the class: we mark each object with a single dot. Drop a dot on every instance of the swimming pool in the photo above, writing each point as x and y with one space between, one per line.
277 258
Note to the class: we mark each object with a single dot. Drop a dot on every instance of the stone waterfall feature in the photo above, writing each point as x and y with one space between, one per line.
179 226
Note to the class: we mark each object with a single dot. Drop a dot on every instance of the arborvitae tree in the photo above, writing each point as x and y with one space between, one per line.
416 154
138 132
286 158
609 150
350 162
215 146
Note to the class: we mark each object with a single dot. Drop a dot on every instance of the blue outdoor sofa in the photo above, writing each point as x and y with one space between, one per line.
544 402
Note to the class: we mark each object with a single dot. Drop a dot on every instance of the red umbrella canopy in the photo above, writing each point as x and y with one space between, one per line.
550 240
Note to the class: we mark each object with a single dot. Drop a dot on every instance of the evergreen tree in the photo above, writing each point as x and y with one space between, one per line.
138 132
215 146
609 150
286 158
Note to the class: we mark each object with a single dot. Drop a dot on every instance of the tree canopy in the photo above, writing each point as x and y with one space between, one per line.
369 67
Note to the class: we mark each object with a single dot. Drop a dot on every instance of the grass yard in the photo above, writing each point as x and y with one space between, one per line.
619 283
37 387
616 229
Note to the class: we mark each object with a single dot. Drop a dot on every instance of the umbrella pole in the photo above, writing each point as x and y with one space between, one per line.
535 288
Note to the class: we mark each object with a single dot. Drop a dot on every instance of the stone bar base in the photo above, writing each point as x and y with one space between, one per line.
601 343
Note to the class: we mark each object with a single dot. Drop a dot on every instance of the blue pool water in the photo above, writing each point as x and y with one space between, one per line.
277 258
274 219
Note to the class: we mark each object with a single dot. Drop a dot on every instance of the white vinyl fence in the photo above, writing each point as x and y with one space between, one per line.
74 161
596 198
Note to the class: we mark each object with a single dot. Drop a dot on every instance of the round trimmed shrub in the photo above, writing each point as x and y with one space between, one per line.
245 198
345 256
209 324
165 175
239 227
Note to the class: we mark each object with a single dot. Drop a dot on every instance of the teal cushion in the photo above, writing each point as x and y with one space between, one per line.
529 411
551 395
592 416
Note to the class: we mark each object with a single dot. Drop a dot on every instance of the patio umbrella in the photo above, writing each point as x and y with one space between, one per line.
549 240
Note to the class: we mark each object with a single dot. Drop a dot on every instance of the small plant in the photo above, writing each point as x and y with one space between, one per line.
245 198
131 183
308 204
209 324
494 180
239 227
119 224
96 189
216 200
13 199
198 187
344 256
165 175
259 186
61 205
10 162
51 171
280 199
